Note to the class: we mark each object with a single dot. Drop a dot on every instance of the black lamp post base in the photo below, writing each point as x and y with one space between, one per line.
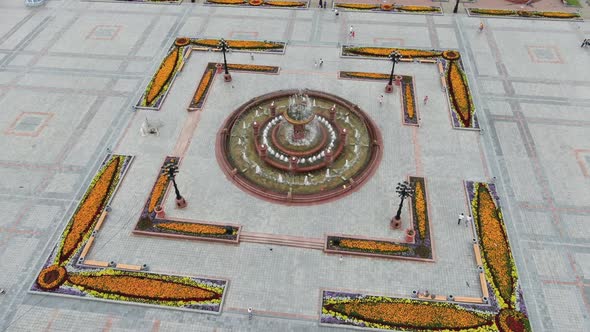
389 88
227 77
180 203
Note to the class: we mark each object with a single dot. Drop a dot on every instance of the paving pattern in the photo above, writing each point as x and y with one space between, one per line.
71 71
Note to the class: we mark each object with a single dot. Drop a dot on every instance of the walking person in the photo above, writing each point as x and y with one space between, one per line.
321 62
586 42
325 4
425 99
315 63
321 6
468 220
250 314
381 100
251 56
529 3
461 217
336 12
480 26
351 32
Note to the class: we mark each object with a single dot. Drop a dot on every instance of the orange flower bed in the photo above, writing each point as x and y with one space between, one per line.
182 41
494 242
451 55
192 228
358 6
420 202
372 245
142 287
163 75
386 7
358 74
255 2
286 3
459 93
557 14
239 44
385 51
88 211
512 321
51 277
419 9
412 314
203 86
498 12
409 99
227 2
246 67
158 191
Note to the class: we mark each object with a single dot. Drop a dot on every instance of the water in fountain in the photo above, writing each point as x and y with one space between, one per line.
347 120
327 172
346 163
244 125
306 181
280 179
258 169
356 148
239 141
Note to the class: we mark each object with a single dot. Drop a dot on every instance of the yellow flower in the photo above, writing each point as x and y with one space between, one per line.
162 76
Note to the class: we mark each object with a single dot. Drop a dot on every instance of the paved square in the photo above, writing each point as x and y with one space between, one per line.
71 71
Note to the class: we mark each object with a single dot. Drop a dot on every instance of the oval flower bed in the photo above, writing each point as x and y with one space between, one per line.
459 94
162 76
242 44
89 210
202 88
385 51
356 6
384 312
196 229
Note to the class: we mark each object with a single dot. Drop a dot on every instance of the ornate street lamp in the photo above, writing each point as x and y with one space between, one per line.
404 190
223 45
171 170
395 57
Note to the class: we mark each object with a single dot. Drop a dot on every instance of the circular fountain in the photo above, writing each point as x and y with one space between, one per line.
298 146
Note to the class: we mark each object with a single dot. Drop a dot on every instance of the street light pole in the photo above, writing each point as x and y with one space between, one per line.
404 190
171 170
456 7
395 57
223 45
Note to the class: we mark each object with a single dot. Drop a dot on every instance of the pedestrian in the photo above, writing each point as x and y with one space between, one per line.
468 220
425 99
381 100
250 314
325 4
480 26
461 217
321 62
336 12
321 4
341 258
351 32
2 291
529 3
586 42
251 56
315 63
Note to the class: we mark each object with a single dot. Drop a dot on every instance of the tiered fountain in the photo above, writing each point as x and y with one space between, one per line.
293 146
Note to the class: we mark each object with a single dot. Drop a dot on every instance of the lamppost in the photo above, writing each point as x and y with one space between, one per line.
395 57
456 7
404 190
224 48
171 170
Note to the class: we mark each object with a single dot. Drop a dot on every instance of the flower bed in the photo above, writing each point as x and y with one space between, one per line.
460 100
149 224
159 85
390 8
524 13
409 101
203 88
93 202
391 313
243 45
504 311
407 93
421 248
461 103
61 274
209 73
270 3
